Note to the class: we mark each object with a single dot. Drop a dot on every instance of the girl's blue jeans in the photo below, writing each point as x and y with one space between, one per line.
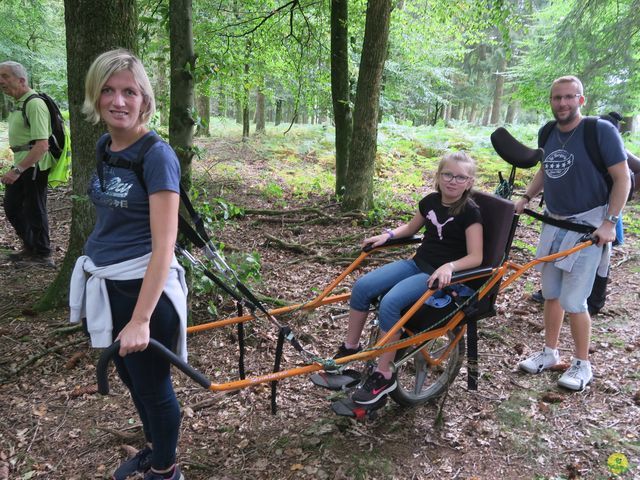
402 283
147 375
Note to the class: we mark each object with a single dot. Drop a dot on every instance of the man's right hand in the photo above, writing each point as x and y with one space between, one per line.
521 204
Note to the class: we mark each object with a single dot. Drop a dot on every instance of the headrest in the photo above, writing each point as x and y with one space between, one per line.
514 152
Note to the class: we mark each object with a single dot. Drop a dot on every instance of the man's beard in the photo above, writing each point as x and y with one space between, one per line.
572 116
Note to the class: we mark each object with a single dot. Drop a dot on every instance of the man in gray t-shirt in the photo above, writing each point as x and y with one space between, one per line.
573 187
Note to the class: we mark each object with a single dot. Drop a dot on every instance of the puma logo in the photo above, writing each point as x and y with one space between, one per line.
434 220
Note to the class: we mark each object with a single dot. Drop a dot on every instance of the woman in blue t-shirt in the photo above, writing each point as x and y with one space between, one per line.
452 241
130 256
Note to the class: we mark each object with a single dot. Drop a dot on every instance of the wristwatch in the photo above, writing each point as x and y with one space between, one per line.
612 218
18 170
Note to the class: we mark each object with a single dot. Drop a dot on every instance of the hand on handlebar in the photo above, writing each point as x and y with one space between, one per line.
134 337
604 234
520 205
441 277
376 241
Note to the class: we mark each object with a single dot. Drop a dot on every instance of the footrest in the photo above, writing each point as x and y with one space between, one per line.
336 381
347 408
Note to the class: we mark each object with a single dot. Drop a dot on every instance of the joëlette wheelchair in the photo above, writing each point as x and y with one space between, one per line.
431 351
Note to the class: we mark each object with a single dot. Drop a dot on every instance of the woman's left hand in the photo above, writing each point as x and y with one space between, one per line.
442 275
134 337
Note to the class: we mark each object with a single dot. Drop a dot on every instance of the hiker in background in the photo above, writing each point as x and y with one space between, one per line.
598 295
25 197
575 190
452 242
130 255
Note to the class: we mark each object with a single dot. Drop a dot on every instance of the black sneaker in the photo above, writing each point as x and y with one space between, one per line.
39 260
140 463
345 352
374 389
537 297
175 475
22 255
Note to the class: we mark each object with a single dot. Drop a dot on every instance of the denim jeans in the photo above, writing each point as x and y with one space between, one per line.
572 288
146 375
402 283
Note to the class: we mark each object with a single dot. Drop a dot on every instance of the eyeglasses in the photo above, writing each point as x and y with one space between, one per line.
447 177
566 98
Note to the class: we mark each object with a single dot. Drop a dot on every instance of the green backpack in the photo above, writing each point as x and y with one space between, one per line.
59 141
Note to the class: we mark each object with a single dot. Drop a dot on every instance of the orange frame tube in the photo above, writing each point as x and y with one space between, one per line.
382 344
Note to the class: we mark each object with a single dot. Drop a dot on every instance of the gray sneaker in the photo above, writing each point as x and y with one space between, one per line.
578 376
540 361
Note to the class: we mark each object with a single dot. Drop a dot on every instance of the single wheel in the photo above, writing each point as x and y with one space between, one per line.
419 382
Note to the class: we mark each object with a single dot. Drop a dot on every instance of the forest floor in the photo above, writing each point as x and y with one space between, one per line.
515 426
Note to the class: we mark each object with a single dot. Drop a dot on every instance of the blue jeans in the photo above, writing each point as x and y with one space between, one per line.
146 375
402 283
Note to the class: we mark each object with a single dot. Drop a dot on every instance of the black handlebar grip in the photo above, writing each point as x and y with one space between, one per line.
102 374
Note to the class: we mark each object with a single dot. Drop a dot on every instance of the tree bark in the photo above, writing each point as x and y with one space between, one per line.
278 119
183 62
340 89
260 121
245 104
362 153
498 92
91 29
204 112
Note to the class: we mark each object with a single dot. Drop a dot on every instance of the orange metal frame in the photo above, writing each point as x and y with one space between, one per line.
508 272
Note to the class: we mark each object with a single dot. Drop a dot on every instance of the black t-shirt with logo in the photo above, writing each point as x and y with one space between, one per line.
444 234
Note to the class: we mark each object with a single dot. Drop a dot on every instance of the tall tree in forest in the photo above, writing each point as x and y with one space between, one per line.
362 153
340 89
91 28
182 63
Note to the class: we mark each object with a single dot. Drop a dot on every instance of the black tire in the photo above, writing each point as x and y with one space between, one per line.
419 383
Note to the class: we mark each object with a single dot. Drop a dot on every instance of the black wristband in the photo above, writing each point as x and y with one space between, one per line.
527 197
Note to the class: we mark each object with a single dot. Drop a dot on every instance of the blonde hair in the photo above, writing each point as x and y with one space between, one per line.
102 68
569 79
470 164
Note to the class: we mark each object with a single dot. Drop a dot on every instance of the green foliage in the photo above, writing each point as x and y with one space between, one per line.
33 35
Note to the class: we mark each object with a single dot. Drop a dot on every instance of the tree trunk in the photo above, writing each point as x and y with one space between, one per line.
260 112
498 92
91 29
245 104
238 111
278 119
204 112
183 62
362 154
512 110
486 116
340 89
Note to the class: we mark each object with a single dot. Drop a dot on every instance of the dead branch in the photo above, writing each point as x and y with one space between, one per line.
54 349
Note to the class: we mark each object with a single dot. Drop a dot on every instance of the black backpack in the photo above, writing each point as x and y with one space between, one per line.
591 144
57 140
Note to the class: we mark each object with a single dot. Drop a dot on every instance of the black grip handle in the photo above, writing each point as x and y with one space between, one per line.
103 376
393 242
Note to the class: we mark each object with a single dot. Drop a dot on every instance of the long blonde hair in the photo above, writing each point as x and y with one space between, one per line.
470 164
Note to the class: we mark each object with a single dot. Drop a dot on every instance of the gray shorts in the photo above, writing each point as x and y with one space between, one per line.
574 287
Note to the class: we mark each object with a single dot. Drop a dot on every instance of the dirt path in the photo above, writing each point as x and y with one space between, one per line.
55 426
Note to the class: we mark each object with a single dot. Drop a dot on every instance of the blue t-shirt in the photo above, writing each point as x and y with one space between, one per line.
572 182
123 229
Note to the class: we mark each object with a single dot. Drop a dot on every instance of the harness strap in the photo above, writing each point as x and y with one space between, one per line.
240 343
282 334
22 148
556 222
